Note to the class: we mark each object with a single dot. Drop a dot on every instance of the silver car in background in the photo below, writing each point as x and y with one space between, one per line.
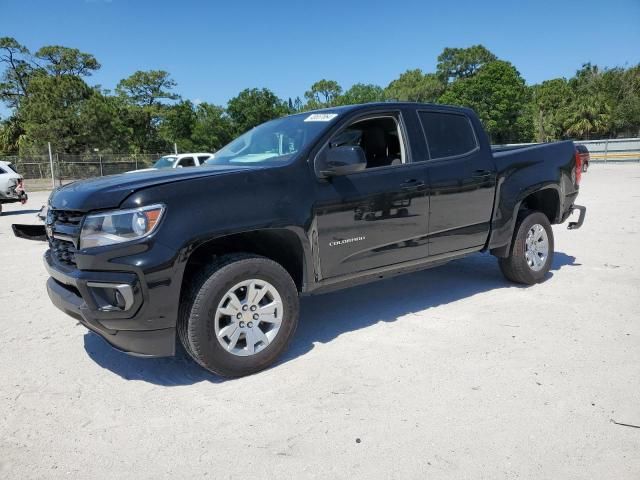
11 185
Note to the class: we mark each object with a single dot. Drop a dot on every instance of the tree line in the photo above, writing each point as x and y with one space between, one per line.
49 99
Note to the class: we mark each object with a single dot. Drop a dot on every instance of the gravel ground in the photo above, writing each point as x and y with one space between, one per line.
448 373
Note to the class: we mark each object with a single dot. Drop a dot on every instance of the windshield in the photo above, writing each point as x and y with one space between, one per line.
164 162
274 142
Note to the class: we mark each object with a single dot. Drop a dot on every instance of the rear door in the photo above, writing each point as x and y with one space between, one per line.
461 182
376 217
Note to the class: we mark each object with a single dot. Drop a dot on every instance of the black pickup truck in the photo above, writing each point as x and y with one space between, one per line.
217 256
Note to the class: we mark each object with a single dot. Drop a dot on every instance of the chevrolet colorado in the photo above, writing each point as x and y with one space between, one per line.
217 256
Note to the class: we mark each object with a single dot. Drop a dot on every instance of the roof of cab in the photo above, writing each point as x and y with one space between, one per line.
359 106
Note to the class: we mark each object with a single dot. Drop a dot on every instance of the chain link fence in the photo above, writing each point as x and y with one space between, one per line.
36 169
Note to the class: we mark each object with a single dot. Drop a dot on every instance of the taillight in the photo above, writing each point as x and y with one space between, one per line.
578 167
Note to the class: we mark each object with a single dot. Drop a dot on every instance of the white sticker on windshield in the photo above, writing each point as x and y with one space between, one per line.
321 117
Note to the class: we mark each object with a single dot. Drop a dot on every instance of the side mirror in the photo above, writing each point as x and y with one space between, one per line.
340 160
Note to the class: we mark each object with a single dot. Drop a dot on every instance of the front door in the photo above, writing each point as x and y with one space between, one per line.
376 217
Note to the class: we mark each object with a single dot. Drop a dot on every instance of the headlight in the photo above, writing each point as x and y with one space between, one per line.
119 226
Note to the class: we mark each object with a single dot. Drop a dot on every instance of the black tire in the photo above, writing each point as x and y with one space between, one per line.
515 266
196 325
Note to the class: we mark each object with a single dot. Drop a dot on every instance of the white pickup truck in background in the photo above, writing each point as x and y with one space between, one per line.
11 185
178 161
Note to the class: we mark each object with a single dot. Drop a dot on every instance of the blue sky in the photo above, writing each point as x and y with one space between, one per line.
214 49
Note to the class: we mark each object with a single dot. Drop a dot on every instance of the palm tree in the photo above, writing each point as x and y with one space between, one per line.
589 114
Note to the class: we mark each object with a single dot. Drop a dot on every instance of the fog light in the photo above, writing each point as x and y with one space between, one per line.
112 297
120 301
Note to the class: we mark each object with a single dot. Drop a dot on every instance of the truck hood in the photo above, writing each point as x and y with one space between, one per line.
110 191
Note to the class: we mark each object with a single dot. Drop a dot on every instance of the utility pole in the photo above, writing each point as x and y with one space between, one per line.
175 148
53 178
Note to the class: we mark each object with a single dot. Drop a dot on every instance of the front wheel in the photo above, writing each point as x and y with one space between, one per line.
531 251
239 314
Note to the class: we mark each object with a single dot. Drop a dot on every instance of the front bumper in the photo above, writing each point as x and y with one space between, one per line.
78 294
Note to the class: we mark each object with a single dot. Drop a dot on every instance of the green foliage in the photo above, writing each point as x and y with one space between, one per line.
202 128
213 128
177 125
551 102
67 61
147 94
415 86
11 132
607 101
498 94
362 93
322 94
459 63
254 106
625 101
52 112
147 88
588 115
106 124
14 81
594 103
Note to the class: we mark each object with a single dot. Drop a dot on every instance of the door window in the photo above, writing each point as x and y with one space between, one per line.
448 134
379 137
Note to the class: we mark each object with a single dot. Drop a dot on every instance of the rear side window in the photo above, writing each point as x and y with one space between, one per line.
2 170
448 134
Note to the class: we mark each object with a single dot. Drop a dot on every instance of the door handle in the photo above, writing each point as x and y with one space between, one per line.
413 184
481 174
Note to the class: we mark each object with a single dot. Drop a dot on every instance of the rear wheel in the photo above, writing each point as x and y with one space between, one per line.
239 314
531 250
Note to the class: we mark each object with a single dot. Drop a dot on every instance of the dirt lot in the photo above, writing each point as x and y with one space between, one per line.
448 373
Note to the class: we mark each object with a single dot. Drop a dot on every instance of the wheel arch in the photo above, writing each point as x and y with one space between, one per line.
545 200
281 245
